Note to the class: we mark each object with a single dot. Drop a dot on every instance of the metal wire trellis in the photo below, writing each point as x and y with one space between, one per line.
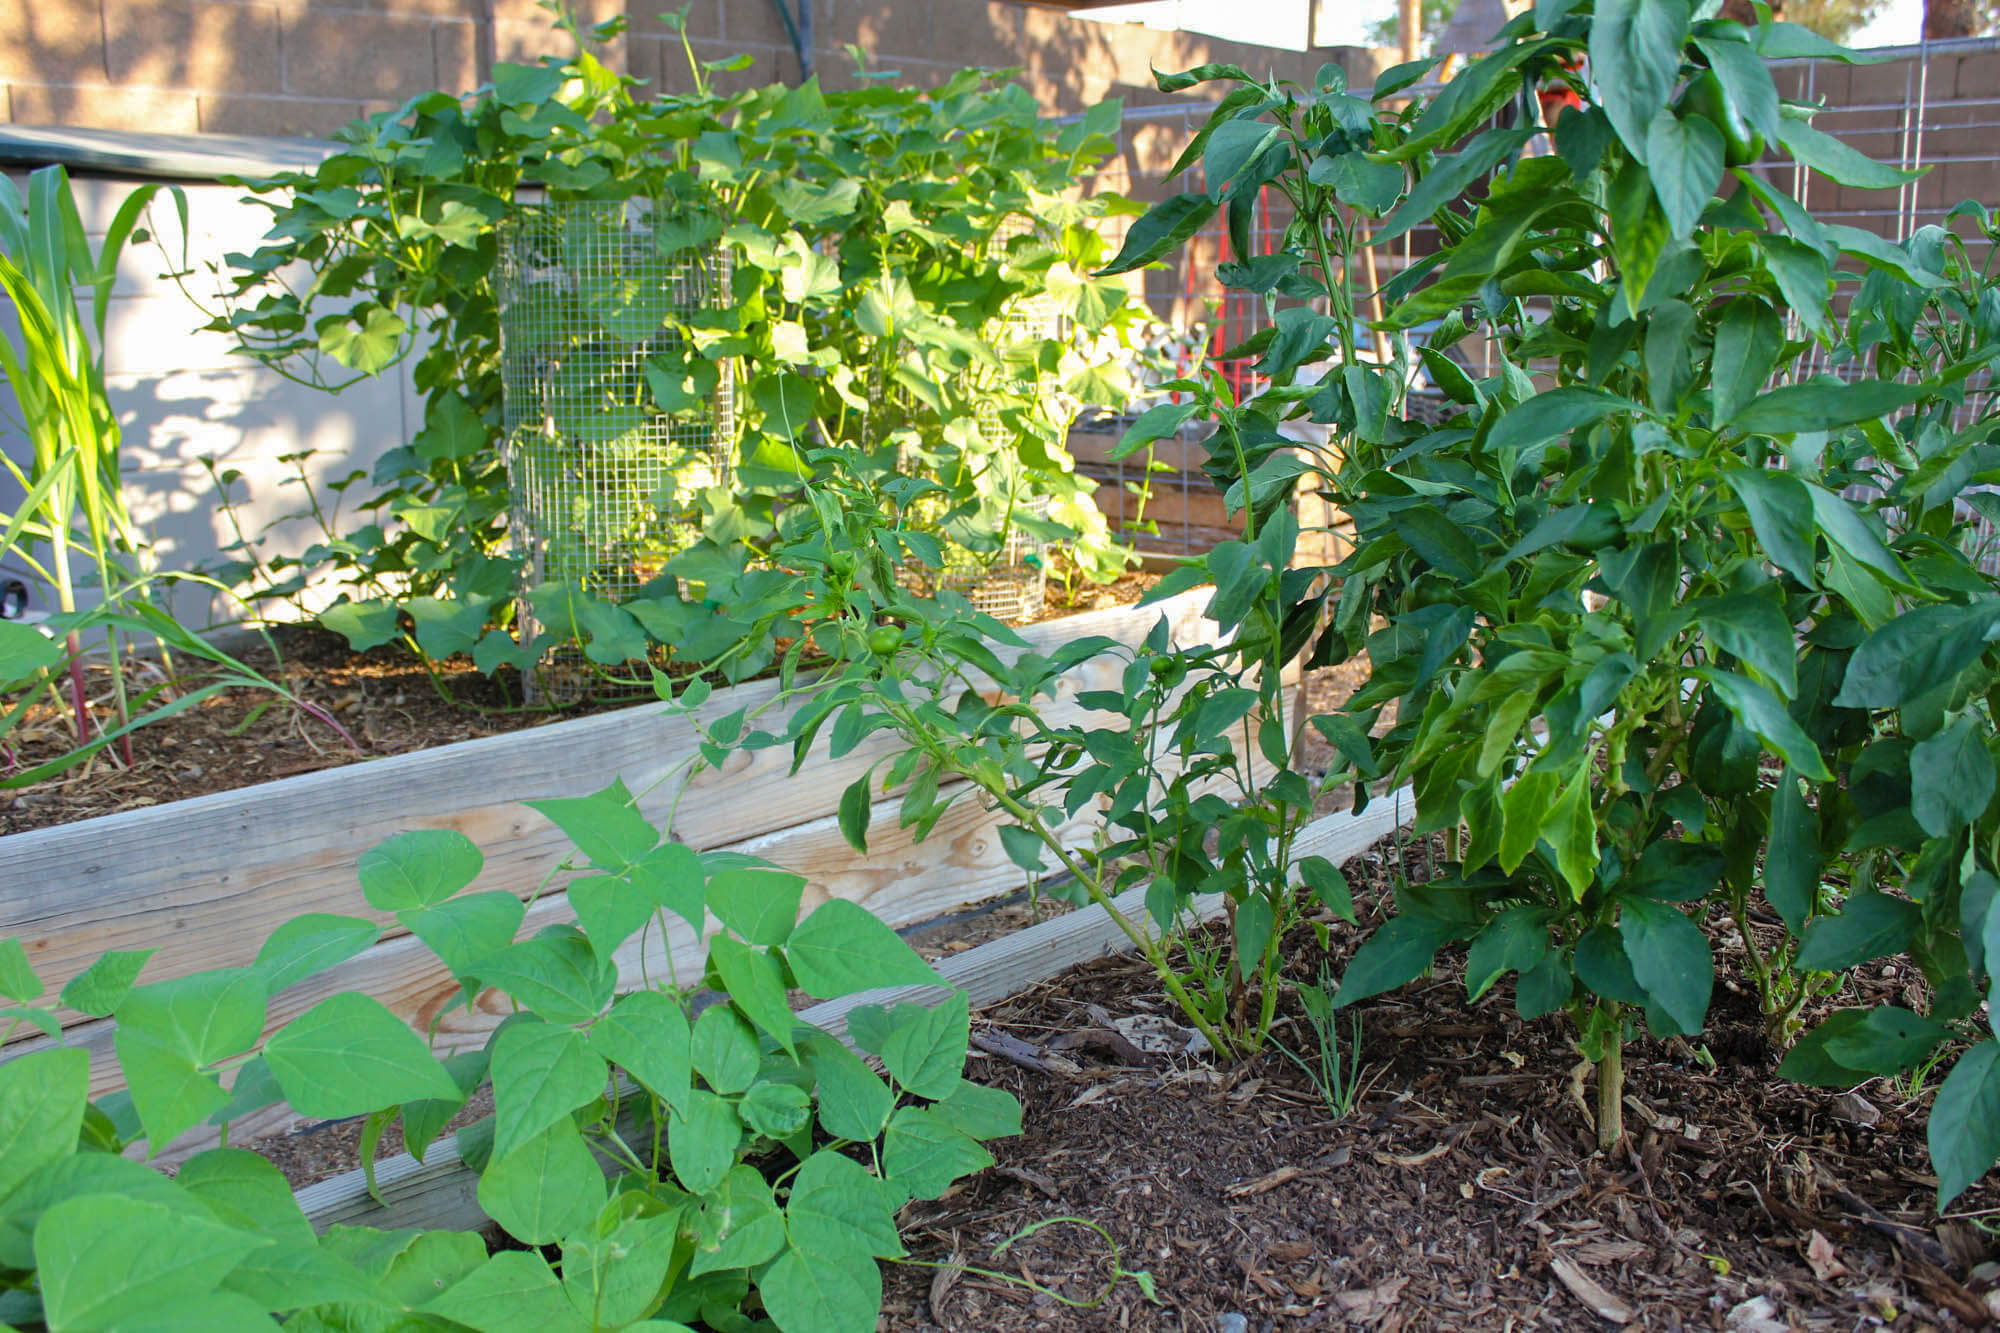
593 297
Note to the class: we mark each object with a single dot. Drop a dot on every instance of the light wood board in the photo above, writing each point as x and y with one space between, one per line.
206 880
442 1192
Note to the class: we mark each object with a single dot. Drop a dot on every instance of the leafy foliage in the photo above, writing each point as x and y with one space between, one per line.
877 241
1645 618
749 1153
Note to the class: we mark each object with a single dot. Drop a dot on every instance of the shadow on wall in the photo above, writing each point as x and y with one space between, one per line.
181 395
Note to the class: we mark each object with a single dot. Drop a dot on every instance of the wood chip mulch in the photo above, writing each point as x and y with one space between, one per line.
1463 1193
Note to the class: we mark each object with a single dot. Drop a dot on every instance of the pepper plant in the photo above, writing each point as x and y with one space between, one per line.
755 1164
1621 606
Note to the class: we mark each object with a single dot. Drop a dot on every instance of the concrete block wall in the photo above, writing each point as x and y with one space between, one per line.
305 67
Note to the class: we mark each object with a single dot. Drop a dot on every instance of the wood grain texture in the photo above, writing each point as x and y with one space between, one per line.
442 1191
206 880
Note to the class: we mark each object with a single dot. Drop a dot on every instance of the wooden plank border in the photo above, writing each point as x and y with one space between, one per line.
205 880
442 1192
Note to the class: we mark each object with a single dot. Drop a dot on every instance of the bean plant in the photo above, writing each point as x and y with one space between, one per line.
1659 622
682 1151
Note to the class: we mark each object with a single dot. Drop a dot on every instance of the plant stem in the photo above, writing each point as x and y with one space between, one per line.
1611 1092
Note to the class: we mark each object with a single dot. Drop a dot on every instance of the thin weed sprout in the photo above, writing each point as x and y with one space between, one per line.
1141 1278
1338 1073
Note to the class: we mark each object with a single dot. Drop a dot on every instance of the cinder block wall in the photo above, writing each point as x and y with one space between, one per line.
305 67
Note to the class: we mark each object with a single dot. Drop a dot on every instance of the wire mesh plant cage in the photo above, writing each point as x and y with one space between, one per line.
1010 583
592 295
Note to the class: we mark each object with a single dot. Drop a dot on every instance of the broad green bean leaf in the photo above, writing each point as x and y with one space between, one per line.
854 1102
1975 905
1670 959
787 402
839 1208
555 974
1163 229
606 826
170 1091
296 1273
842 948
1781 514
1823 404
1397 953
803 1291
1685 158
1887 1040
1951 778
72 1177
424 1120
521 86
302 947
1833 159
244 1190
724 1049
923 1153
1514 941
414 1266
1792 858
610 910
1870 926
1747 343
348 1055
1635 59
42 1100
776 1110
546 1189
760 905
648 1036
467 930
702 1138
672 876
418 869
206 1016
25 650
1753 626
982 1112
925 1052
620 1277
1764 713
514 1289
1919 651
161 1257
738 1224
100 988
17 975
1964 1127
756 986
540 1073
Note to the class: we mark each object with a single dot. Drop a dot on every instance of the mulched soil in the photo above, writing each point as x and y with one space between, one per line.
1462 1193
383 698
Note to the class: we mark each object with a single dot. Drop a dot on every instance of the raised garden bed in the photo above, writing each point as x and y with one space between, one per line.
204 880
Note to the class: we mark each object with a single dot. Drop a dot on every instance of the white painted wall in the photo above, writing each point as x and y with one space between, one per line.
181 394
